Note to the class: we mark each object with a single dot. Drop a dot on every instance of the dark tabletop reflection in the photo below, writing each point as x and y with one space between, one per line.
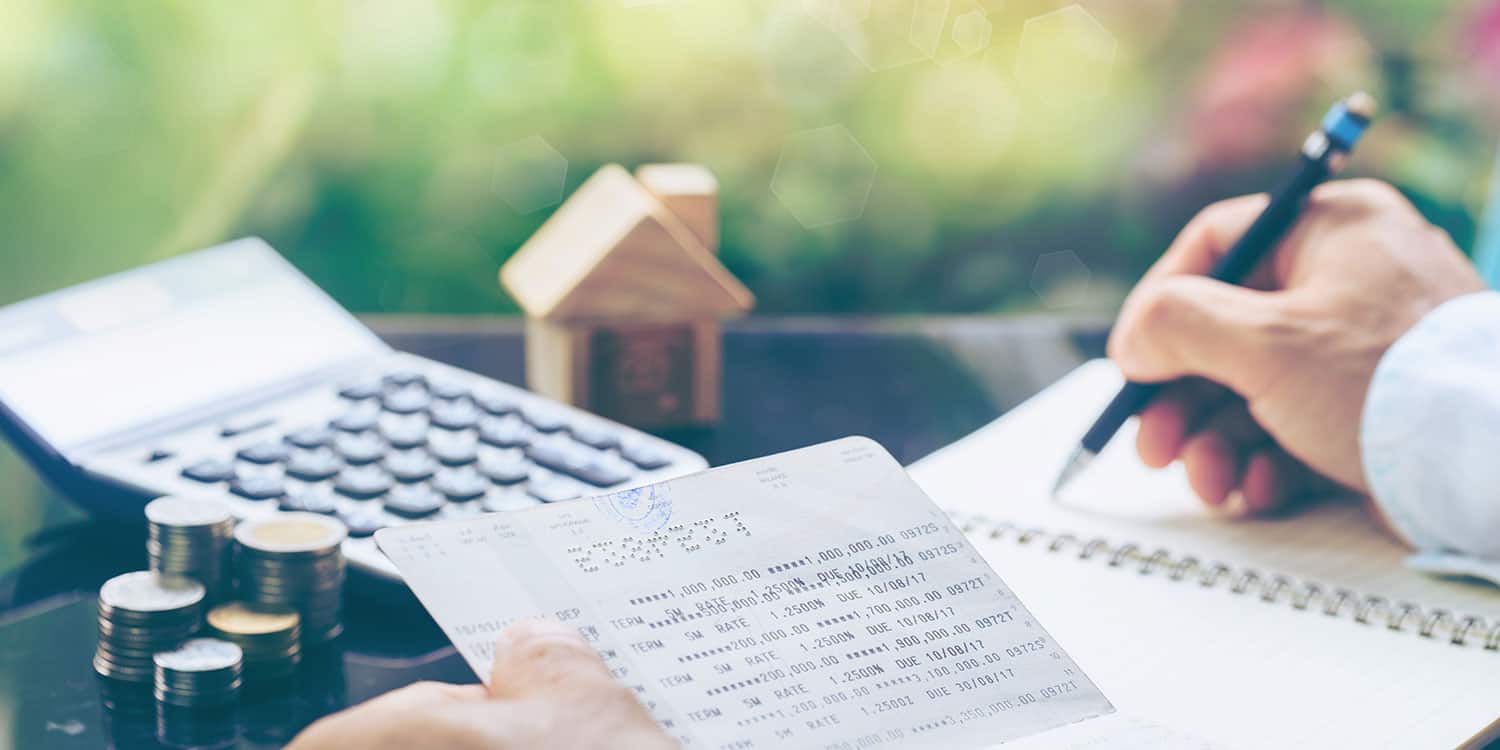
58 702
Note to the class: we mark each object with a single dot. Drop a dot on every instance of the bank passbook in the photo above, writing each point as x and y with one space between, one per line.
815 598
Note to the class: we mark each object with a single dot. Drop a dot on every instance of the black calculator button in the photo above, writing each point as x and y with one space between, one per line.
546 420
209 471
310 500
567 457
414 501
645 455
408 400
448 389
496 402
455 415
356 420
554 489
242 426
597 436
460 485
504 432
453 450
363 482
363 521
264 452
311 437
410 467
313 466
363 448
505 469
404 379
360 390
259 487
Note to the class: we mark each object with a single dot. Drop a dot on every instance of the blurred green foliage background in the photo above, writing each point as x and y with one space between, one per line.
1024 153
874 155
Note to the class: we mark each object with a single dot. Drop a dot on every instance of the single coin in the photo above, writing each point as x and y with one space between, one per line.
291 533
239 618
145 591
187 511
201 655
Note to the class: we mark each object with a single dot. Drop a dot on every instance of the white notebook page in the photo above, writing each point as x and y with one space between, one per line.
1006 469
1240 673
1226 667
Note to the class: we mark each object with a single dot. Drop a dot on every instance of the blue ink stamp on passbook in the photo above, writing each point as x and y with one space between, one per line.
642 508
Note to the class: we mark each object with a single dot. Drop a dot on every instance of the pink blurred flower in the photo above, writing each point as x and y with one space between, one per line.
1267 72
1481 38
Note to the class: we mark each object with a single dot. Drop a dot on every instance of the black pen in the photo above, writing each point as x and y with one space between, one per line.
1323 155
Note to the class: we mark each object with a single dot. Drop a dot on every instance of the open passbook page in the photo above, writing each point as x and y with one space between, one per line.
1300 631
814 598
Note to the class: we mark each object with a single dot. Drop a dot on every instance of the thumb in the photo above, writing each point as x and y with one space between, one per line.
535 656
1183 325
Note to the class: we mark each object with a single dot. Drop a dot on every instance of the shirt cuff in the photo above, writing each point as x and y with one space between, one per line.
1430 429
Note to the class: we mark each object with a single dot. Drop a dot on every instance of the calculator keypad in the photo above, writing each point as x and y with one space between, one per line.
416 448
413 441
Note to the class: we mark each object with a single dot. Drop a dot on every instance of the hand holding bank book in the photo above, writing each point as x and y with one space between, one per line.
813 598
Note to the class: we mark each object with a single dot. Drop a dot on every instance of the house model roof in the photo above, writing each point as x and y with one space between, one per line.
614 250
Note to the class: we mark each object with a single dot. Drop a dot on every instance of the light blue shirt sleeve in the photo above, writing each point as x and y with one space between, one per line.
1430 436
1487 245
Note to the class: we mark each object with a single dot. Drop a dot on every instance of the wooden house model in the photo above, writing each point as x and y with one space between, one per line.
623 295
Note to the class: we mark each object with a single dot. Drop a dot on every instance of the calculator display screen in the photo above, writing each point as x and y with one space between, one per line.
118 353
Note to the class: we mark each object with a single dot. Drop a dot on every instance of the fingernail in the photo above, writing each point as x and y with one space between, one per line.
1235 506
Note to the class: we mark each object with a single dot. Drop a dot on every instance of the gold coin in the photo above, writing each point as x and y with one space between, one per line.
291 533
239 618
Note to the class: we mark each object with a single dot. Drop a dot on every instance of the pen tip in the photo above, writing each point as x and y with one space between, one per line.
1362 104
1079 459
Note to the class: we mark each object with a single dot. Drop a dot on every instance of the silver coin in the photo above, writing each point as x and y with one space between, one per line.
188 511
105 668
329 562
217 699
145 591
201 534
201 655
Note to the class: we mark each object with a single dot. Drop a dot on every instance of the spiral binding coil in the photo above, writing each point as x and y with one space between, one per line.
1432 623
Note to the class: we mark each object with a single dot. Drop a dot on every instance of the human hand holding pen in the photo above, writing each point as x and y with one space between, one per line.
1276 372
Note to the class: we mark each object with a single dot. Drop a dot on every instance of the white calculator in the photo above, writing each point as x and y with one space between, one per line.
226 372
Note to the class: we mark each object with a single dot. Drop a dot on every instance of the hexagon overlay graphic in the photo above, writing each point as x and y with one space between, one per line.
1061 279
529 174
805 62
1064 58
971 31
884 34
824 176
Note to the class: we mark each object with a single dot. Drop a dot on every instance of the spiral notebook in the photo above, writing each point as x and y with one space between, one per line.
1302 631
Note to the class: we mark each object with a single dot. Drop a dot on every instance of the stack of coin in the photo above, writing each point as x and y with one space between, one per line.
140 614
200 672
268 636
293 560
190 537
